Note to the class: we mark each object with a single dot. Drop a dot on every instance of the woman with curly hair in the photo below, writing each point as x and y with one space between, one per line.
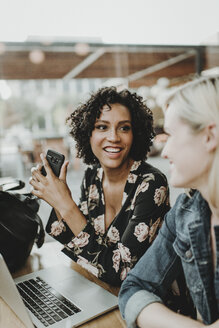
123 198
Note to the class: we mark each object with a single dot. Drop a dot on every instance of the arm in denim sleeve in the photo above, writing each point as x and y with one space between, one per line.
150 279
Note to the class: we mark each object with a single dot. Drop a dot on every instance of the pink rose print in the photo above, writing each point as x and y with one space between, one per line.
149 176
132 178
99 173
143 187
99 225
116 260
93 193
84 263
80 241
113 235
160 195
57 228
135 165
124 273
141 231
84 208
125 253
153 229
122 253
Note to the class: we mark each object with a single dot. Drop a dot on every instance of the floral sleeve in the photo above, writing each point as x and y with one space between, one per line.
59 230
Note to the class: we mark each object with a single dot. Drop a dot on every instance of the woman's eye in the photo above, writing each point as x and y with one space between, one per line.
126 128
101 127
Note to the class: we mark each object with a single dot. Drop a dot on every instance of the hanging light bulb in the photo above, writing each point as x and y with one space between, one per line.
82 49
37 56
163 82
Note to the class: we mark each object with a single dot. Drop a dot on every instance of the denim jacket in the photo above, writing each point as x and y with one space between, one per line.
184 240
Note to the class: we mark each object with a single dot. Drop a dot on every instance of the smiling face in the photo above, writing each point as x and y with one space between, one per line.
187 152
112 137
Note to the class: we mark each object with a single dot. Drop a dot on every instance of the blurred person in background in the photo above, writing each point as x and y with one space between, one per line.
123 198
189 237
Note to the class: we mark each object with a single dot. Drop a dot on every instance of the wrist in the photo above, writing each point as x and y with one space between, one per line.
67 211
73 218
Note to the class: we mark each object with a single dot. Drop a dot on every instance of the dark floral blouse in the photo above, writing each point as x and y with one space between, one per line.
111 253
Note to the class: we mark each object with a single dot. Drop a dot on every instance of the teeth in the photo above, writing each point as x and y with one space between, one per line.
112 150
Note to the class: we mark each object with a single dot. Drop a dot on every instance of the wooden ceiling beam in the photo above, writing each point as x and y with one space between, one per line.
157 67
84 64
137 63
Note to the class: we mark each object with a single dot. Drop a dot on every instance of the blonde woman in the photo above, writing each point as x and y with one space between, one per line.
189 237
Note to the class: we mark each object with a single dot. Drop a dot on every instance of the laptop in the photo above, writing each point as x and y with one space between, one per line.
56 297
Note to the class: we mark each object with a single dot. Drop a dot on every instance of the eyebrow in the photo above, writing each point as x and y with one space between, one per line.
120 122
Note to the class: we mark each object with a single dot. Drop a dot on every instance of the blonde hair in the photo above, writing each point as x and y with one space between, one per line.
197 104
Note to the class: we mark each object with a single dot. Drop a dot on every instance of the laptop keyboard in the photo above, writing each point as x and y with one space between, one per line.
48 305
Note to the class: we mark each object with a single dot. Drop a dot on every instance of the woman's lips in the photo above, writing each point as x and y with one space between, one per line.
113 150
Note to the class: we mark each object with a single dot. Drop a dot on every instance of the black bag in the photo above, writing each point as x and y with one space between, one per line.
20 227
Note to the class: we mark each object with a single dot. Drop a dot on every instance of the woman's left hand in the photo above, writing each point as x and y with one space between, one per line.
54 190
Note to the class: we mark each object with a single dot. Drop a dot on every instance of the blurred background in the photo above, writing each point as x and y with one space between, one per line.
53 54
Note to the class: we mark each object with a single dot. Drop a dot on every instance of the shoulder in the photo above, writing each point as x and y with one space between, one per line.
187 200
187 206
151 173
151 185
188 211
174 220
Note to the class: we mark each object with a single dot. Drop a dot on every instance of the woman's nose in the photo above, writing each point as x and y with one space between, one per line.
113 135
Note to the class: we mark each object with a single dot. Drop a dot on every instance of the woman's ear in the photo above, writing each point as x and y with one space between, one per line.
212 137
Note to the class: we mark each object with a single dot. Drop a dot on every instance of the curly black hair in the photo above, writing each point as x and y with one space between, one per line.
83 119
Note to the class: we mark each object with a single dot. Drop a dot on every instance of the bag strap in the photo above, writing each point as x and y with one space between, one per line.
39 240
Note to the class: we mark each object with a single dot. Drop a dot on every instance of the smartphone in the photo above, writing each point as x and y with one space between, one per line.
55 160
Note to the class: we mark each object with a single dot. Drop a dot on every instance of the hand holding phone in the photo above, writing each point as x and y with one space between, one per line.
55 160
